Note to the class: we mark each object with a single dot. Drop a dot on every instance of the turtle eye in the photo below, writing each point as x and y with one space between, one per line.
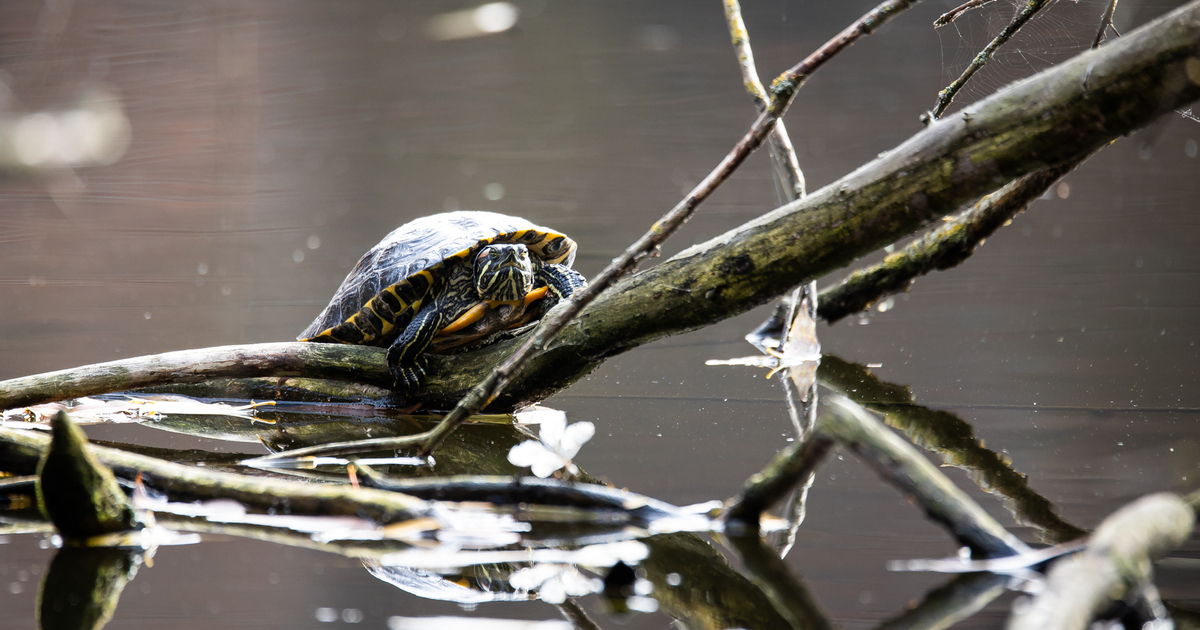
495 254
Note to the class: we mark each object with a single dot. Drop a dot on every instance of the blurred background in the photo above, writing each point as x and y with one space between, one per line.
181 175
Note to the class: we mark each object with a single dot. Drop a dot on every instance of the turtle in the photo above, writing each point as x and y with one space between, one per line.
447 282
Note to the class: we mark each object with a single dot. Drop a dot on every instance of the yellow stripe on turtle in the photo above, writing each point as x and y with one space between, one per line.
535 295
468 318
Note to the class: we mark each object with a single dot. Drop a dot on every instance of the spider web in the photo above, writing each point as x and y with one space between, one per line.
1061 30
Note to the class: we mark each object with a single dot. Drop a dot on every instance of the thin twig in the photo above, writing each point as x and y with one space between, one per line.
757 497
574 613
947 95
784 154
783 90
1106 23
953 14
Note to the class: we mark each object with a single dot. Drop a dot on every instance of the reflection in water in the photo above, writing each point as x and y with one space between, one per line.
787 594
954 440
93 132
951 603
494 17
469 585
83 585
508 539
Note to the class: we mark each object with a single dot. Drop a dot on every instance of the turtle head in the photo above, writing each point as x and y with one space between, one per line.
503 272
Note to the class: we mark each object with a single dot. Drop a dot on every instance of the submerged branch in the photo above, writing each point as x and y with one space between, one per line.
20 450
521 490
382 499
1117 559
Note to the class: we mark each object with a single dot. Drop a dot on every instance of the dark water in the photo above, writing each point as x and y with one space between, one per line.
271 144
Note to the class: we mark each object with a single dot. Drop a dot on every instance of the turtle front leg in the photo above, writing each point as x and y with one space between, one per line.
562 280
406 357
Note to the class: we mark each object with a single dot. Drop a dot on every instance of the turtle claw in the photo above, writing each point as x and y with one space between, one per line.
409 378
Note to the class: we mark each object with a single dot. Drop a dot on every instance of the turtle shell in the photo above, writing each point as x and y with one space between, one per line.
409 267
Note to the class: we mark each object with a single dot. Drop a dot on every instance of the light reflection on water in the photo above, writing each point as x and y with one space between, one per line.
268 149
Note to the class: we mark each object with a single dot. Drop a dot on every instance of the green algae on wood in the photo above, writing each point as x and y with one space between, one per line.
75 491
940 249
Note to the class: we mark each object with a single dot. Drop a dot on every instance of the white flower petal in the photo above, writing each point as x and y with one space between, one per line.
630 552
575 583
552 429
574 438
531 578
545 467
552 592
528 453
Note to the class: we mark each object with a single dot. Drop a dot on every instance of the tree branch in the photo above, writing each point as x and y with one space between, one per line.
783 90
1105 23
1117 559
787 164
1054 118
360 364
943 248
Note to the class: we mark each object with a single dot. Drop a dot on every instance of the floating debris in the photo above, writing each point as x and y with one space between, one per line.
129 409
